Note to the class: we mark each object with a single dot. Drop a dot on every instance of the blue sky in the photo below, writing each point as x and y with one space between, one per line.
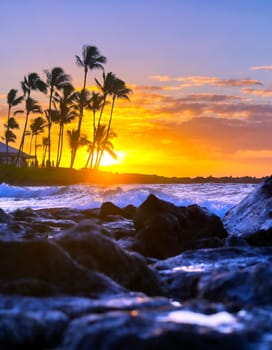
196 44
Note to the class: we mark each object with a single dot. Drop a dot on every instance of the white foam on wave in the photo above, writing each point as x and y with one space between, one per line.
223 321
218 198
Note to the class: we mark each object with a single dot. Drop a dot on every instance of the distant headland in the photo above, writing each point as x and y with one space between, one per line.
27 176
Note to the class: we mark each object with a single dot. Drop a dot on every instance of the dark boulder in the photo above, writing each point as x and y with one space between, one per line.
86 244
31 330
4 217
43 268
249 286
109 209
165 230
253 216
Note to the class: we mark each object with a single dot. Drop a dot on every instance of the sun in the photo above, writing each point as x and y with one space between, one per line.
107 160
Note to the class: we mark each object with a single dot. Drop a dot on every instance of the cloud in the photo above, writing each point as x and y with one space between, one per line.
148 104
227 135
207 97
258 92
197 81
162 78
266 68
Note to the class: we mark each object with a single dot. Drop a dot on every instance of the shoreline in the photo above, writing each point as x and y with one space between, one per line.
65 176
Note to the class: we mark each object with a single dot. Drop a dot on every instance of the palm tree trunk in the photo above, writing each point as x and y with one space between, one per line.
108 132
7 135
35 145
91 154
30 146
58 150
74 151
98 127
49 126
21 148
61 144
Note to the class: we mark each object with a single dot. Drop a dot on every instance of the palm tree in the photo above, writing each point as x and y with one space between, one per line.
55 79
103 143
37 127
73 138
30 82
66 113
81 101
115 87
12 101
9 135
91 60
94 105
45 146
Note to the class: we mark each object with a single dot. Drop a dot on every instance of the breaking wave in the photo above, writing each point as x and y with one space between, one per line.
218 198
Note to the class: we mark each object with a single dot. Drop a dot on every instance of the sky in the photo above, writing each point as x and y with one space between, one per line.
200 71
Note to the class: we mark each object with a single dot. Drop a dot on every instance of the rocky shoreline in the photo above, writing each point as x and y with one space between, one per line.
153 277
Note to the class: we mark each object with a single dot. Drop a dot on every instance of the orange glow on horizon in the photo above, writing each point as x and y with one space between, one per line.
159 133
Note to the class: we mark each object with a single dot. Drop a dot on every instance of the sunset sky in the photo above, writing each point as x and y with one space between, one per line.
200 71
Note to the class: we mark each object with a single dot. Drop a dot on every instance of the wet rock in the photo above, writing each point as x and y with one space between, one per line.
43 268
161 331
24 214
165 230
252 216
109 209
86 243
191 274
248 286
4 217
31 330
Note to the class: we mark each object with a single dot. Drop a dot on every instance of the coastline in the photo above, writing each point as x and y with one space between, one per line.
65 176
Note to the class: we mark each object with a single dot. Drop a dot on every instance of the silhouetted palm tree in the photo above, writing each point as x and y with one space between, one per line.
55 79
9 136
91 59
63 103
73 138
81 100
12 101
45 147
31 82
37 127
116 88
103 143
95 104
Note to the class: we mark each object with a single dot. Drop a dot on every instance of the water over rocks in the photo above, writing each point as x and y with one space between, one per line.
252 218
153 277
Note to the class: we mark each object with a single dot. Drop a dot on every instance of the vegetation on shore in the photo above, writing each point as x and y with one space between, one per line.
26 176
66 104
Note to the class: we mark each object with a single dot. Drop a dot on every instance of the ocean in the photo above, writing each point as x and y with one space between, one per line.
218 198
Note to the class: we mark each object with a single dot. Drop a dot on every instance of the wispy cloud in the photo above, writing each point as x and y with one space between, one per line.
258 92
201 80
267 68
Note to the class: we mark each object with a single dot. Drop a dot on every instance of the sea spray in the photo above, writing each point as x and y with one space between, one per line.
218 198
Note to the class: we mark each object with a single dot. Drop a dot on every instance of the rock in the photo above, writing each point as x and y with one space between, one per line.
191 273
86 243
165 230
109 209
260 238
31 330
244 287
253 214
161 331
43 268
4 217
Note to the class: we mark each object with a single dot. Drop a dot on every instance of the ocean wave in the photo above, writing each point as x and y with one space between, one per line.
218 198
